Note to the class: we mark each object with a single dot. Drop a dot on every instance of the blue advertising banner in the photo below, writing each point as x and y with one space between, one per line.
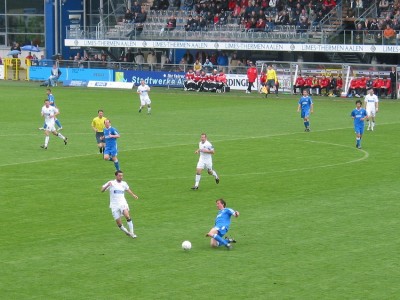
43 73
155 78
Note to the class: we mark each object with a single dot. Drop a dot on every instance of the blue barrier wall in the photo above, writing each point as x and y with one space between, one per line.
43 73
155 78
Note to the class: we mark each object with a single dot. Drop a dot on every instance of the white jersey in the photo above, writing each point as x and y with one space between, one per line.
370 102
47 112
143 90
205 156
117 193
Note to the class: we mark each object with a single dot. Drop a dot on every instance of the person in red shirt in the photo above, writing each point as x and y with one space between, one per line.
204 80
299 84
377 85
354 86
386 87
189 84
362 88
251 77
325 84
197 80
221 82
308 83
339 84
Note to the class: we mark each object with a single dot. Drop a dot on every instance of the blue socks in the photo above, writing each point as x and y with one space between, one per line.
221 241
58 123
116 164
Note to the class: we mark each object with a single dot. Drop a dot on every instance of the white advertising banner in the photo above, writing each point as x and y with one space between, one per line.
111 85
1 71
234 46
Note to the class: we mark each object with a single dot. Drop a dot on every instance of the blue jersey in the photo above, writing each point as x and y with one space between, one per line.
223 219
51 99
358 114
305 103
111 143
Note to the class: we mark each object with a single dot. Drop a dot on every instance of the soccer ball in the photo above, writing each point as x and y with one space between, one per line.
186 245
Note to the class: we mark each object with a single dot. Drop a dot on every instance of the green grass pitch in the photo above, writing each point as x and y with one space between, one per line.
319 218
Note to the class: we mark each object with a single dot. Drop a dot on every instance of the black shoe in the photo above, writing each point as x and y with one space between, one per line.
194 188
140 110
101 150
230 240
43 147
229 246
217 180
65 141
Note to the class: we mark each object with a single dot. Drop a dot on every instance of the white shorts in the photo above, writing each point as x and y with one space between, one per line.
204 165
50 127
145 101
371 112
118 211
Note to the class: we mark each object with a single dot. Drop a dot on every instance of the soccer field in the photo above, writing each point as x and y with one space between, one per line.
319 219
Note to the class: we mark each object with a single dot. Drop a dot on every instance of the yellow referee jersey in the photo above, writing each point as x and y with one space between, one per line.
99 123
271 75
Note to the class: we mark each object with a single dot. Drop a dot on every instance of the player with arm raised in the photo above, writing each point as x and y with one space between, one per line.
118 204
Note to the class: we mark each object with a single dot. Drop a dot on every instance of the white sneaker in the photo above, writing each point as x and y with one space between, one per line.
372 128
59 128
41 128
369 128
133 235
247 92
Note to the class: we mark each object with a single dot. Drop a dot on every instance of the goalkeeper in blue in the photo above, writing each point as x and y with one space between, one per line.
306 106
221 227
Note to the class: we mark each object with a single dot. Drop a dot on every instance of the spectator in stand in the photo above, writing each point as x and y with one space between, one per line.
260 25
141 17
222 61
299 84
234 63
188 57
201 55
388 35
223 18
282 18
325 85
139 60
236 12
359 33
202 24
130 57
383 5
171 24
197 66
136 8
128 17
213 58
29 57
189 23
188 5
269 25
251 77
232 5
151 60
303 27
208 66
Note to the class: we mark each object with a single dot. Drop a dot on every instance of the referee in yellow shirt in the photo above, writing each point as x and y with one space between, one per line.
98 127
272 80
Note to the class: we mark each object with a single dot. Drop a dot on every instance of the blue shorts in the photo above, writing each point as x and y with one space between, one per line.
222 231
305 113
111 152
359 129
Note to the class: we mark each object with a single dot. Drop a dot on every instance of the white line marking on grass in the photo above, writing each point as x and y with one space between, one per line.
187 144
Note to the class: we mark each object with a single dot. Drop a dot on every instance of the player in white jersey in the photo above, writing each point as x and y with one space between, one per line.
143 91
118 204
371 103
205 150
49 113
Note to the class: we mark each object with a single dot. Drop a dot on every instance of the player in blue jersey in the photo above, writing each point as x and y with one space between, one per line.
52 101
307 106
359 115
221 227
110 137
